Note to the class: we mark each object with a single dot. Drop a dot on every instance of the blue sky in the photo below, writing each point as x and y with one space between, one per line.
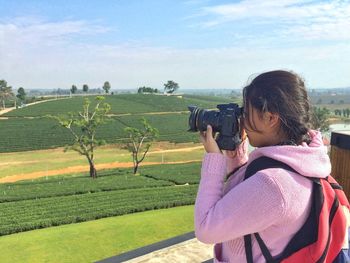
197 43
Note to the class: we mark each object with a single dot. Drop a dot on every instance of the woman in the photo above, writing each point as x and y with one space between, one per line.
274 202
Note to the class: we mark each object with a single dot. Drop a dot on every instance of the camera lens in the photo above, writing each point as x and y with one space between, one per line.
200 118
192 121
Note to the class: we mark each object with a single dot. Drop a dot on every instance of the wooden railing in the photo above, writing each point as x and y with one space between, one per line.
340 159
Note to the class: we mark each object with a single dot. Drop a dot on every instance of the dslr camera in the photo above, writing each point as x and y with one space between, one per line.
225 122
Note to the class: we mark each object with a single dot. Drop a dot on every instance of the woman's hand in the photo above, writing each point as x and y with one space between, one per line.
230 154
243 145
207 138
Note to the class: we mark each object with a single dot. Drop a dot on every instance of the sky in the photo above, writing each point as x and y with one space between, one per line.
200 44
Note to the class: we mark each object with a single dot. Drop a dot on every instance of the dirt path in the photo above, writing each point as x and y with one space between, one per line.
78 169
30 104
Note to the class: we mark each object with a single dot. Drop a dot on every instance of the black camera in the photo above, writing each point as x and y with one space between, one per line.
226 122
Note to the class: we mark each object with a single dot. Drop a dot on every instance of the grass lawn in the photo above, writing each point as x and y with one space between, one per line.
96 240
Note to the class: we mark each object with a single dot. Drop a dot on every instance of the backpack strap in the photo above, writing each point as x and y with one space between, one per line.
256 165
248 248
263 163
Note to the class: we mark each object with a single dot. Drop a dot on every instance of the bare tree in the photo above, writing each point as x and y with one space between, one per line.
140 141
87 121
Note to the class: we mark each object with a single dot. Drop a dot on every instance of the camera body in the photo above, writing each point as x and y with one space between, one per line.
225 121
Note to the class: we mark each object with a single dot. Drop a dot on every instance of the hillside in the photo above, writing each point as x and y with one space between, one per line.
122 104
29 129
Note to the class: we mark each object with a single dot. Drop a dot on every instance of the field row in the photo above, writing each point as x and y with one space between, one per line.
188 173
108 180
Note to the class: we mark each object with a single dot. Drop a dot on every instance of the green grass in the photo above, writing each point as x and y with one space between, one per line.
96 240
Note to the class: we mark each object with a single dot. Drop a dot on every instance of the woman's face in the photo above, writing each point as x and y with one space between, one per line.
258 127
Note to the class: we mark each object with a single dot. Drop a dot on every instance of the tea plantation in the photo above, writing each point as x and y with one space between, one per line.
56 201
29 129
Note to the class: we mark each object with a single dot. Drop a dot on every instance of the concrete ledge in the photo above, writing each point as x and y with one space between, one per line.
148 249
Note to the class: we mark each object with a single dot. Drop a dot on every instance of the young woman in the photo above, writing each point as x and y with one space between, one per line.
274 202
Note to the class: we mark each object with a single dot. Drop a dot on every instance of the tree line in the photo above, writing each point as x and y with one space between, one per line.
343 112
169 88
6 94
85 88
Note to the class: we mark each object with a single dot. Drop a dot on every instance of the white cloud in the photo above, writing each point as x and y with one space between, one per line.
34 32
49 55
307 19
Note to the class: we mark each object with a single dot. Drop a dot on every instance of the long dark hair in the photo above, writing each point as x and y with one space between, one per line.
284 93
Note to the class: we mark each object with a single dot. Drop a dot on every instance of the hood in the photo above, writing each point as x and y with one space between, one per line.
309 160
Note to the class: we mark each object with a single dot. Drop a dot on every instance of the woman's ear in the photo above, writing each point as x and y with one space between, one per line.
271 119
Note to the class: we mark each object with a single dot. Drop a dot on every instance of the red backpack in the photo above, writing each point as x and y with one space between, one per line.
322 236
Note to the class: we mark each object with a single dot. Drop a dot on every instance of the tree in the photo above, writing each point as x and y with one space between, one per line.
21 94
145 89
85 88
347 112
5 92
337 112
170 87
140 141
320 119
106 86
87 122
73 89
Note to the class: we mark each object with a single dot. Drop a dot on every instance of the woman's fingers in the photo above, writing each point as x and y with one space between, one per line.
202 137
230 154
208 141
209 131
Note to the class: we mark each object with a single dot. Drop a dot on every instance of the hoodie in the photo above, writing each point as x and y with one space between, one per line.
274 202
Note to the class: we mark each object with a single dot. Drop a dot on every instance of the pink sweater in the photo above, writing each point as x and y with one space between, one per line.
273 202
